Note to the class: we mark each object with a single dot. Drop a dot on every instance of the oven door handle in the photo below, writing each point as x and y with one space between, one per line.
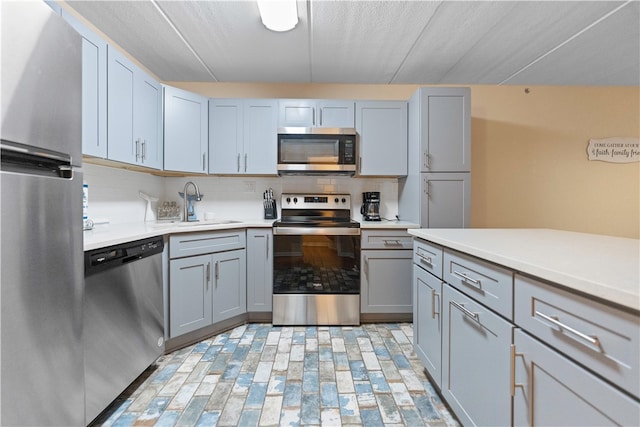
321 231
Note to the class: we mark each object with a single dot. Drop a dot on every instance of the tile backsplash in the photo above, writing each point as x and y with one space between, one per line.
113 193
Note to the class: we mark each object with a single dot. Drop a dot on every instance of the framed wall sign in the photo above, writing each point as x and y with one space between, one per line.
614 150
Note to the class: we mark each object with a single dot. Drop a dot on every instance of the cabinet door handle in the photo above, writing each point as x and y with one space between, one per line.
137 149
144 150
467 279
204 162
245 162
267 244
471 314
360 164
514 354
217 273
426 187
238 165
208 274
313 115
366 267
434 295
593 340
320 111
426 160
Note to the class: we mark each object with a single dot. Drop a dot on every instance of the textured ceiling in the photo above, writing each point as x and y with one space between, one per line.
415 42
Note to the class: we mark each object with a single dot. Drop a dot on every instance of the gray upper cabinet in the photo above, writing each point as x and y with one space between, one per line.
445 128
186 130
134 113
94 89
243 136
382 128
315 113
437 189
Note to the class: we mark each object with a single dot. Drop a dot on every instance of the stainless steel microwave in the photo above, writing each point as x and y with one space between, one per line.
329 151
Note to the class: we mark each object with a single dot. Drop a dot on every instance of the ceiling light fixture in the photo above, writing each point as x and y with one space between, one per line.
278 15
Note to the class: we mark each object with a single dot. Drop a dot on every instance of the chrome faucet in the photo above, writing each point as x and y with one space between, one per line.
188 207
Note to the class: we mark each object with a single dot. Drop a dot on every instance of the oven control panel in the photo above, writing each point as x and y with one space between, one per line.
316 201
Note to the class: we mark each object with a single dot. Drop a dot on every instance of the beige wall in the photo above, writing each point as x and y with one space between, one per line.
529 158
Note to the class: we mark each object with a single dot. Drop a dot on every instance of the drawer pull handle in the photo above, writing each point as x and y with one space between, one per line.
554 320
471 314
425 258
467 279
392 243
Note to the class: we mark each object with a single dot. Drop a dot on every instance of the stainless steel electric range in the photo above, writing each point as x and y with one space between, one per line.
316 267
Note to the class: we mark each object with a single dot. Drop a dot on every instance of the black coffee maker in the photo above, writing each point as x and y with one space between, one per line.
370 209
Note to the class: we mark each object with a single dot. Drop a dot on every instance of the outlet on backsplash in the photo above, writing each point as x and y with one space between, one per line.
249 186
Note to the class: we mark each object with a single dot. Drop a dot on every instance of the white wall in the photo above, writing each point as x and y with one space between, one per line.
113 193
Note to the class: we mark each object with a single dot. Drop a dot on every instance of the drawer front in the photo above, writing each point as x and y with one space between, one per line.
189 244
428 256
487 283
603 339
385 239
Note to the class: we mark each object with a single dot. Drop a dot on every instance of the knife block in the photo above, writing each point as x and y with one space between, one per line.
270 209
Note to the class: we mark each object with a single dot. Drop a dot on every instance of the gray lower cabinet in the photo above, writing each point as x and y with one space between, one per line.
207 279
551 390
508 349
189 294
229 280
385 260
386 281
260 271
476 354
427 321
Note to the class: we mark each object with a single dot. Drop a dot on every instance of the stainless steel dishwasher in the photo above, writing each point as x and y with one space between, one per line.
124 321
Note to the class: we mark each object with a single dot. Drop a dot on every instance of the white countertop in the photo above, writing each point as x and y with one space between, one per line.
385 223
603 266
115 234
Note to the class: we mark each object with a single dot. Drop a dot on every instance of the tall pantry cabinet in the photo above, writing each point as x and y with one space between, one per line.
436 193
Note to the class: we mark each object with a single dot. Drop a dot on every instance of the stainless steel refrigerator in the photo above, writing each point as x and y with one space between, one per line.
42 379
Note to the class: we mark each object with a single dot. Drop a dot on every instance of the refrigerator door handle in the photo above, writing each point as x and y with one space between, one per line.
32 160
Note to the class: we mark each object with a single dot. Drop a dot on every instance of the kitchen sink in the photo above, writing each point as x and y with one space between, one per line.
196 223
212 222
